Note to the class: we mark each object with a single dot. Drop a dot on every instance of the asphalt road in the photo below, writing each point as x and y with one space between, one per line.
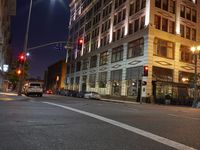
66 123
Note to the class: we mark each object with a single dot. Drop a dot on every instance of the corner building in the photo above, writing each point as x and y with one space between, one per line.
122 36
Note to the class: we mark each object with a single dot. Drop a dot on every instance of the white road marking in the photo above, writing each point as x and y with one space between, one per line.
146 134
173 115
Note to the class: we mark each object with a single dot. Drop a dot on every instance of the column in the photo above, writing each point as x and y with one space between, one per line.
123 86
108 86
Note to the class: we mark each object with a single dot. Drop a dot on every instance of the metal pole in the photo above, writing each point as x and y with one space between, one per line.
195 84
21 78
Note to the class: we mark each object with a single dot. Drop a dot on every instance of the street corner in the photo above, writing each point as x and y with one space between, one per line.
11 97
6 99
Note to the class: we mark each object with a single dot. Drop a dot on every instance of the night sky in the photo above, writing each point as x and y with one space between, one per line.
49 23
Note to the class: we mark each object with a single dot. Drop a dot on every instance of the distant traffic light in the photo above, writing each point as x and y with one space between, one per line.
21 58
80 44
19 71
146 69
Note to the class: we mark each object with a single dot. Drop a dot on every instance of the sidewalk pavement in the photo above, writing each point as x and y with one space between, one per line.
9 96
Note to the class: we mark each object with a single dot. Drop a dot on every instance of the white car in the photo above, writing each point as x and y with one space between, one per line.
92 95
33 88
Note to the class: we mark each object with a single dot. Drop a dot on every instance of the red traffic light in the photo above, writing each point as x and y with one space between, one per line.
22 58
80 41
146 70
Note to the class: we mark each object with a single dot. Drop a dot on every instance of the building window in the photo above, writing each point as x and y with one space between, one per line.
182 30
104 58
137 6
186 77
182 11
164 24
171 27
187 32
132 9
186 54
194 15
78 66
158 3
117 54
102 79
92 80
93 61
135 48
162 74
136 25
85 64
72 68
130 28
157 22
165 5
142 23
143 5
172 6
163 48
193 34
188 13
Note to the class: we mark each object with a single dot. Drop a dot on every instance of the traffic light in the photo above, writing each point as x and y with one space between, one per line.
22 58
19 72
146 69
80 44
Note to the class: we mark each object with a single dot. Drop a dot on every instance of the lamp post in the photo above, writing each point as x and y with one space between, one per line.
195 50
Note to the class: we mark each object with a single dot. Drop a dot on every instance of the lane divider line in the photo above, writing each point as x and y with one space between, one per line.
138 131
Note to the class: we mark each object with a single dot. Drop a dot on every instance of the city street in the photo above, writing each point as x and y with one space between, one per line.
68 123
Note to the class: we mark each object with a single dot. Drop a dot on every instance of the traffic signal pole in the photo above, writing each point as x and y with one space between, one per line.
21 77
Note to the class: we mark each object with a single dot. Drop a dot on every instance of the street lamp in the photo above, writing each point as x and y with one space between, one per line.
195 50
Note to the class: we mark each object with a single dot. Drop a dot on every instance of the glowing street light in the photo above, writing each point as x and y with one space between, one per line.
195 50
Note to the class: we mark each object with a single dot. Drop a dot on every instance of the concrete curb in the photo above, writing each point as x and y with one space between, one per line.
118 101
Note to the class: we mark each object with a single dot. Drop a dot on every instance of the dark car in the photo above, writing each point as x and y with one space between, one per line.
72 93
80 94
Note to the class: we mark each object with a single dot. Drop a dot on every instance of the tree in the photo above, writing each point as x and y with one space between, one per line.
12 74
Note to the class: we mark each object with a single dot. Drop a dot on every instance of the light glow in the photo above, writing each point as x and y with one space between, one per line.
147 14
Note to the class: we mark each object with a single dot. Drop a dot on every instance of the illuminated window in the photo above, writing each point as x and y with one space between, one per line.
186 54
103 58
163 48
135 48
117 54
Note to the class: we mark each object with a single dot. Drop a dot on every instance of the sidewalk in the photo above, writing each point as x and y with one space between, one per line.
9 96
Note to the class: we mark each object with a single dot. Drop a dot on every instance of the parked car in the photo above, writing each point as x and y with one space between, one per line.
92 95
33 88
80 94
72 93
63 92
